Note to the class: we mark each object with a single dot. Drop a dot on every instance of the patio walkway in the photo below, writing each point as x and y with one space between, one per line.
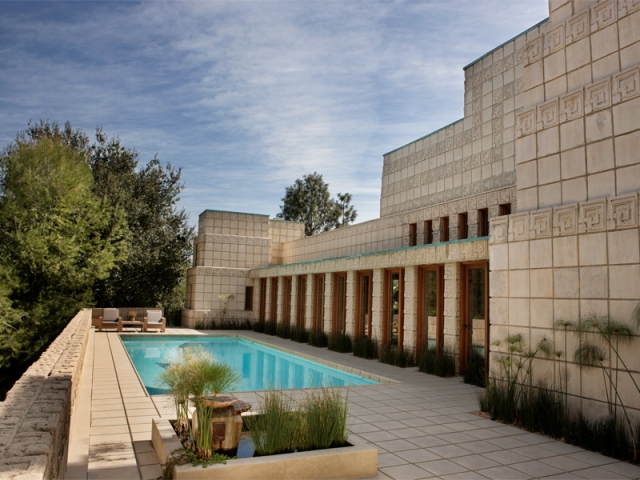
422 426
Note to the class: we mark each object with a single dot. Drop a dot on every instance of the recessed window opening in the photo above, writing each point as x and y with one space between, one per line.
463 226
248 298
444 229
413 234
428 232
505 209
483 222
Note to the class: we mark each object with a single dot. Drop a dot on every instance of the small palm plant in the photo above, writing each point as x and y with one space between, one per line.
206 378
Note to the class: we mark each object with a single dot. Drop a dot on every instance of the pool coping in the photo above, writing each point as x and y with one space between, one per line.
344 368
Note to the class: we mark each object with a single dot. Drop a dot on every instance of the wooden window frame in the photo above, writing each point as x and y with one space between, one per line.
439 269
302 302
444 229
263 300
413 234
428 232
318 283
463 226
274 300
335 313
464 312
287 298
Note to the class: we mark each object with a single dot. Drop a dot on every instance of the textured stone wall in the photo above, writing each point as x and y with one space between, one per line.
35 416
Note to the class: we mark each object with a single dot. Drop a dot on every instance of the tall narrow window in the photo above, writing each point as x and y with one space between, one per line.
463 227
302 301
248 298
413 234
364 302
428 232
340 303
430 308
286 311
444 229
318 303
274 300
483 222
394 311
263 299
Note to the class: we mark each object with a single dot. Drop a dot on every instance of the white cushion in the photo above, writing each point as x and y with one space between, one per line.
110 315
154 316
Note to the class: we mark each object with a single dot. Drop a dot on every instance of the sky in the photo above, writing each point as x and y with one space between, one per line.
248 96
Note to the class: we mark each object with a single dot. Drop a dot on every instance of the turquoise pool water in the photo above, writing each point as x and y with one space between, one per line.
260 367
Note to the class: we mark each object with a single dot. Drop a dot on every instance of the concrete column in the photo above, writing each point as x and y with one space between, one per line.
436 230
473 224
328 302
294 300
452 309
308 316
410 307
280 314
255 315
351 304
377 305
454 231
420 233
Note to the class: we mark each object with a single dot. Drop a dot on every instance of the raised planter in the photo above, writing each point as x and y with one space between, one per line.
357 461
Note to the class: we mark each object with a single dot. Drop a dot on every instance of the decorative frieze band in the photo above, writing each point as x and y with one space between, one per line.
422 255
603 94
614 213
210 238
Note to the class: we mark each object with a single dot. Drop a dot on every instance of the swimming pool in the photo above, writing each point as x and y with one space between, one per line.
260 367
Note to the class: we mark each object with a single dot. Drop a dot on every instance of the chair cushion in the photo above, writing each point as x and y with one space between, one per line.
154 316
110 315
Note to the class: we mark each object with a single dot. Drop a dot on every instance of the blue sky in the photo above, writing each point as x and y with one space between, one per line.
247 96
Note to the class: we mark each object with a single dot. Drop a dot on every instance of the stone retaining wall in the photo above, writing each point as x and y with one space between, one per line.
35 416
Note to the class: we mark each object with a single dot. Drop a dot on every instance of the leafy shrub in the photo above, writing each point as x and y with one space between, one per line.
318 339
399 357
283 331
364 347
339 342
299 335
437 363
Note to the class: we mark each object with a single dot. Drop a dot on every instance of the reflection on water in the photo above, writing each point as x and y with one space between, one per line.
260 367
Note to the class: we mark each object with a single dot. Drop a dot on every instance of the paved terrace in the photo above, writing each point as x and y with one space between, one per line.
422 426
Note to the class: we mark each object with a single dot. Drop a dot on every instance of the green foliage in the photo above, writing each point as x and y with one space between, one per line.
308 201
56 240
318 339
282 426
339 342
299 335
437 363
225 324
399 357
270 328
365 347
283 331
258 327
181 456
160 238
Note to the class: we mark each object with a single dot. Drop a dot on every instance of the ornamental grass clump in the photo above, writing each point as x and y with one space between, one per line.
437 363
365 347
339 342
175 378
300 335
283 426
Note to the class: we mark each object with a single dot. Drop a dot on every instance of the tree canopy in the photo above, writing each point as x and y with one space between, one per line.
83 224
308 201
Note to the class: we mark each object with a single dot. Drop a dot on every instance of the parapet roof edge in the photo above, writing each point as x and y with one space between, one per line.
229 211
504 43
464 68
370 254
424 136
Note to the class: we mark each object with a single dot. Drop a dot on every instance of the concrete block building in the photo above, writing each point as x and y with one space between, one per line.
523 213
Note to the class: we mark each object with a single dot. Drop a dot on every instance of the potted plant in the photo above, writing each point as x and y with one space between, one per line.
132 315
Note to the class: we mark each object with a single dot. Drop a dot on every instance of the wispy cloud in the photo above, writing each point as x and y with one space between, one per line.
247 96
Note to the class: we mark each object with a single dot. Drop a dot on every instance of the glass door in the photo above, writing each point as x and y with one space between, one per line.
302 301
430 308
340 303
475 322
394 312
363 304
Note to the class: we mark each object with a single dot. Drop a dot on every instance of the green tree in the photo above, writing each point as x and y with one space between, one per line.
160 238
308 201
347 211
56 240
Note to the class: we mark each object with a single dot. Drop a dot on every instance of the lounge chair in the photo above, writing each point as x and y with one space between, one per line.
154 319
110 319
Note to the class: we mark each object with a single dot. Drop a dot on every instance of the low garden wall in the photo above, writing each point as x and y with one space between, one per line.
35 416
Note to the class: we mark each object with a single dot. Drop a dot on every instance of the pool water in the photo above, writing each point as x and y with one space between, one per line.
259 367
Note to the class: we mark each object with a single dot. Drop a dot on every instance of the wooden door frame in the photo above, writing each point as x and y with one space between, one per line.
301 304
262 315
287 298
464 312
439 269
386 333
334 316
359 326
274 300
318 323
